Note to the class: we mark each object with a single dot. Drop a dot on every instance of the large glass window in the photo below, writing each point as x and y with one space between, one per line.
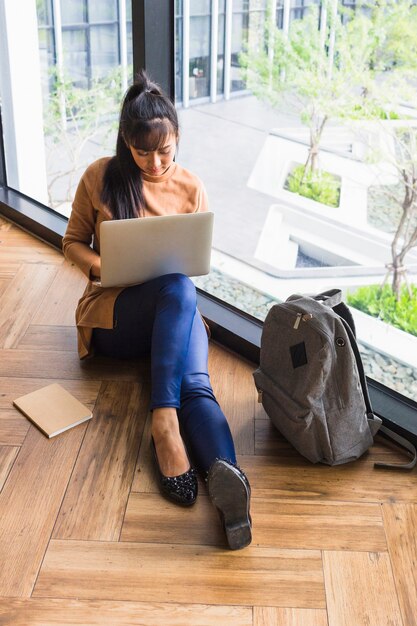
78 57
104 49
310 185
199 64
74 12
247 31
178 49
99 11
220 47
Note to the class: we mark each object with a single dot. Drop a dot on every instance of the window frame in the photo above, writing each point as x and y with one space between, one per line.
153 36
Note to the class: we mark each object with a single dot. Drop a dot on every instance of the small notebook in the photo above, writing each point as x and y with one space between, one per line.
53 409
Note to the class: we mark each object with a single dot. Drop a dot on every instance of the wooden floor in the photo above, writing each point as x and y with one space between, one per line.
85 538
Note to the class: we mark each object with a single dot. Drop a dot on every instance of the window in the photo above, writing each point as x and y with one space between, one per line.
220 47
77 62
199 64
271 241
247 31
179 23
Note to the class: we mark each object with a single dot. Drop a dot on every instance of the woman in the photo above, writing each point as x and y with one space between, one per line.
158 317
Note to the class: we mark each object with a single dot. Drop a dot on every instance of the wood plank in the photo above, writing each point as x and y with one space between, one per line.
15 236
29 504
97 494
4 225
322 525
145 478
30 255
400 522
270 442
20 301
8 456
318 525
149 572
4 283
260 413
233 386
199 525
66 365
61 338
8 270
11 388
58 307
269 616
277 478
360 589
13 427
57 612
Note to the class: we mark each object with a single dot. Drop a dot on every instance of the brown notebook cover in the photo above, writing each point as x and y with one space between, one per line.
53 409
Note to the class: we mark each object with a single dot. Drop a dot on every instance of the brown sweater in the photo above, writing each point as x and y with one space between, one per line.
176 191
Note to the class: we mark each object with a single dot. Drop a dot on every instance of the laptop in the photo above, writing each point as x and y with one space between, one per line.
136 250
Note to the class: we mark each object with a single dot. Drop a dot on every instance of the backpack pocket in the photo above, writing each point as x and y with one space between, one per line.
303 425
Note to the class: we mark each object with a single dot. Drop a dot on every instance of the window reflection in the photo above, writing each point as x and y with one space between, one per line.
104 49
84 69
199 64
74 12
76 56
99 11
220 49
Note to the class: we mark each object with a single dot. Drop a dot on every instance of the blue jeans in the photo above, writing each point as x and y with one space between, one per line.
160 318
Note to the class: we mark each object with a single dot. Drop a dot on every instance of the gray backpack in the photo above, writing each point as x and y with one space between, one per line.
312 384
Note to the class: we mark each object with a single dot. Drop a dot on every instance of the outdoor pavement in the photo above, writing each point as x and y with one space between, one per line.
220 143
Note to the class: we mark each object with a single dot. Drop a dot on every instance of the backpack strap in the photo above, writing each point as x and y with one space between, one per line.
361 371
330 298
403 443
333 299
343 311
389 434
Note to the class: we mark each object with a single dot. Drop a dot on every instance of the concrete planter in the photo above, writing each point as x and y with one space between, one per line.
385 338
282 149
338 181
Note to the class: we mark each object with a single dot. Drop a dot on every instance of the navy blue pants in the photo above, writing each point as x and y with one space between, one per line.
160 318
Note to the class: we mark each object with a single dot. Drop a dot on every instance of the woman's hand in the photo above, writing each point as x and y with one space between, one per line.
95 271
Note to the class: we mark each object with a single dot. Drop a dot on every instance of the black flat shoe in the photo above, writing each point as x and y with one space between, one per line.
229 491
180 489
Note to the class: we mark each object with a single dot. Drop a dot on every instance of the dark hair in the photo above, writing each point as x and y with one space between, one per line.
147 116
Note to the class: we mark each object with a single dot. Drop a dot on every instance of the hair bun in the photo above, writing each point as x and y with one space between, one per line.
143 84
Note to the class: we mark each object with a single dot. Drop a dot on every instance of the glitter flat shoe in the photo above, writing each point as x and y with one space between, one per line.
180 489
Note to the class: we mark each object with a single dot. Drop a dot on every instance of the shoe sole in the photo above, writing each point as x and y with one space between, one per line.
230 494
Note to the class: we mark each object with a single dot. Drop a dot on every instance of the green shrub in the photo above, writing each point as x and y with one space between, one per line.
319 186
380 302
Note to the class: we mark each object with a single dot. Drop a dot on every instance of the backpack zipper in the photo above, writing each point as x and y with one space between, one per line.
300 317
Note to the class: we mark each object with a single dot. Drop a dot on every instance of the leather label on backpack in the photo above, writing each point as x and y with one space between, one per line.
298 355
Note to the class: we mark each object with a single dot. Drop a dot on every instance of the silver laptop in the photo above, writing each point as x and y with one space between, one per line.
136 250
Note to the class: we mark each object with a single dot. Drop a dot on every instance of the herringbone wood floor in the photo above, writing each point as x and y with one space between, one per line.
86 539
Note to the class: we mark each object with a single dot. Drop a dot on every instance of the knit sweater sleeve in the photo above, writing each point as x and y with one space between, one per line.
203 199
78 238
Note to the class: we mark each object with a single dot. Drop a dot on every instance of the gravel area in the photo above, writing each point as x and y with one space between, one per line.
378 366
383 212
